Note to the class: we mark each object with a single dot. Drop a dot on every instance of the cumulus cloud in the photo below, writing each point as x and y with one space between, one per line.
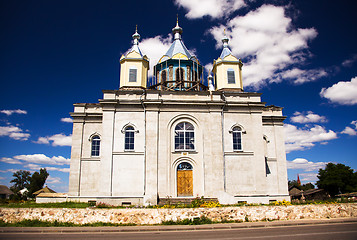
211 8
304 164
56 140
67 120
10 112
154 48
309 117
14 132
305 138
344 93
270 45
36 159
352 131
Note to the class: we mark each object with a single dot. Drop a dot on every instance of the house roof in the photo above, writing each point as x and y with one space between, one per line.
5 190
44 190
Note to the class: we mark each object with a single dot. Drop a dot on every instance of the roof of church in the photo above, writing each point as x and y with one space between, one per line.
135 47
226 51
177 47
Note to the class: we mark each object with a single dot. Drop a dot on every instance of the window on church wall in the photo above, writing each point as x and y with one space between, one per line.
132 74
184 136
95 146
231 76
129 138
237 138
179 76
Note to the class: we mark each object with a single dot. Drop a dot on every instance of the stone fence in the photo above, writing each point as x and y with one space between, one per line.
156 216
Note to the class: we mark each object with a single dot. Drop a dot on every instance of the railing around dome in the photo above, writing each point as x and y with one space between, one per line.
182 85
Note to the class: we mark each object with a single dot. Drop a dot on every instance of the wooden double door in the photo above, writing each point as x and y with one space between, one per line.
184 180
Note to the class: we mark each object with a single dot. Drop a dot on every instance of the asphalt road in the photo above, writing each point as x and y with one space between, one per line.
305 232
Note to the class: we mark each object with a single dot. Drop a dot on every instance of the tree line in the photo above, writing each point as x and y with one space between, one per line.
23 179
335 179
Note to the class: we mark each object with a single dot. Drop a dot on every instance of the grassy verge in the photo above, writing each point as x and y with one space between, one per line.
33 204
38 223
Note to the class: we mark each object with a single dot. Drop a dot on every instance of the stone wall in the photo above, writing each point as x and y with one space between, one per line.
156 216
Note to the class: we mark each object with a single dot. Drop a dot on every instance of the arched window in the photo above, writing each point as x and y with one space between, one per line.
231 76
129 138
179 74
237 138
95 146
184 136
163 76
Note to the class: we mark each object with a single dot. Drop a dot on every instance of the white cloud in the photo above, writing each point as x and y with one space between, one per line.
67 120
308 117
304 164
58 169
37 167
301 76
349 62
154 48
56 140
42 159
10 160
305 138
9 170
10 112
33 166
270 44
309 177
212 8
344 93
351 131
14 132
53 180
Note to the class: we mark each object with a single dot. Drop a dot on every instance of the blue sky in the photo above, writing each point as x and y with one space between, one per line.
302 55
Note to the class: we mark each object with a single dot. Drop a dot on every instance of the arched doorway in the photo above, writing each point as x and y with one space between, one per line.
184 180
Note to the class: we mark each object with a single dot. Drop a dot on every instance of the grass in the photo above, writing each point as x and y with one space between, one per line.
33 204
38 223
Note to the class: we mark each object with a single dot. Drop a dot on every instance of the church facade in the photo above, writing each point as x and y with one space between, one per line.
176 137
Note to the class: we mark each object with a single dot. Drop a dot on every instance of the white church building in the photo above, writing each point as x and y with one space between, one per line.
178 135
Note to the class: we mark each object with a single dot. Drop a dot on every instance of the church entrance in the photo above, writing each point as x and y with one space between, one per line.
184 180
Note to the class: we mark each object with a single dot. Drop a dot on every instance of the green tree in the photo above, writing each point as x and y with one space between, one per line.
37 180
304 187
21 180
337 178
307 186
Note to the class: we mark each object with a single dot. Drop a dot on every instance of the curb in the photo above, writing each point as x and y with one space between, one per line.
164 228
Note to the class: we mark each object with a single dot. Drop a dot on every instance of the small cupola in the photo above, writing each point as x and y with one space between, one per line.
134 66
227 70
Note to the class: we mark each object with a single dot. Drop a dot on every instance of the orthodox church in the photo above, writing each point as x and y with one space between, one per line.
178 135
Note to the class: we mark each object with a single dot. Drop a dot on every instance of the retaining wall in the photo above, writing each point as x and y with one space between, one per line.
156 216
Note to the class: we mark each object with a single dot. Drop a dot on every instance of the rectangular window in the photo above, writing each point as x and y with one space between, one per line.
237 141
231 77
129 140
95 147
132 75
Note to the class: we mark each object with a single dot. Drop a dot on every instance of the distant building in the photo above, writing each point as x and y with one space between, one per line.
5 192
178 135
44 190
